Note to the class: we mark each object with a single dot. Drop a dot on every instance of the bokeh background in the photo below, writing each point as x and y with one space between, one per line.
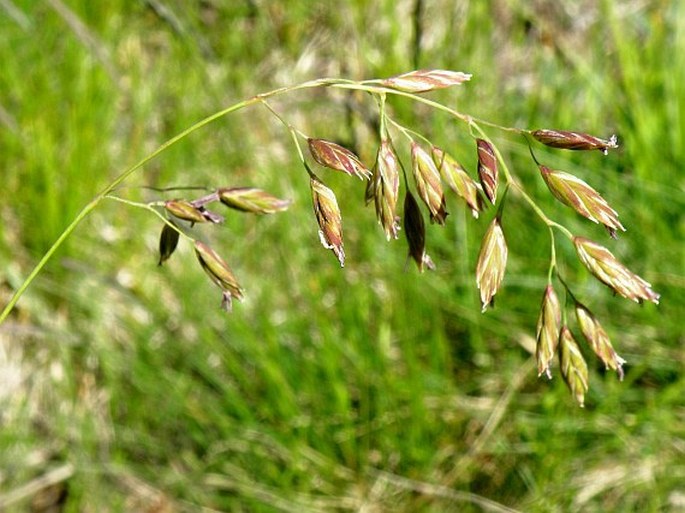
372 388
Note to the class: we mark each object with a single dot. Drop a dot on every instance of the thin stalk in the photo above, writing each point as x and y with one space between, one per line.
294 132
408 132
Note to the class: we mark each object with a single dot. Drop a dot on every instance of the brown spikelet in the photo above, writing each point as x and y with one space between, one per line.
487 169
575 193
188 211
220 273
334 156
573 366
428 186
492 262
415 231
328 216
168 240
549 326
385 188
424 80
252 200
458 180
598 339
574 140
607 269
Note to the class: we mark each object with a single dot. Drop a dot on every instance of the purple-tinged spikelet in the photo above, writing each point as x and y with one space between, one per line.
334 156
573 366
187 211
574 140
415 231
598 339
168 241
384 189
549 326
487 169
252 200
575 193
428 186
328 217
492 262
220 273
607 269
424 80
458 180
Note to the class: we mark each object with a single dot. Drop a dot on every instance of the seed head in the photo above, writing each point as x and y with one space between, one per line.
487 169
575 193
424 80
598 339
428 186
385 188
549 325
334 156
328 216
415 231
252 200
604 266
168 240
183 209
492 261
573 366
458 180
220 273
574 140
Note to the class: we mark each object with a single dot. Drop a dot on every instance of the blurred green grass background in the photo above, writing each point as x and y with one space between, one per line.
123 387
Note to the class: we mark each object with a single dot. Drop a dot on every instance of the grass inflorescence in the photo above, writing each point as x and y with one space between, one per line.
372 387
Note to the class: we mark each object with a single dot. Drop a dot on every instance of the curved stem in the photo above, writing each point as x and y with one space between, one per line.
367 86
90 206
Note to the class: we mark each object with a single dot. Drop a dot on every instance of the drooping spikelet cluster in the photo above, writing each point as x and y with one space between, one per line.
553 335
430 168
244 199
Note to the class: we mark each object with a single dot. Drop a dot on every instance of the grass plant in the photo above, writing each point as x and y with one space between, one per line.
373 388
